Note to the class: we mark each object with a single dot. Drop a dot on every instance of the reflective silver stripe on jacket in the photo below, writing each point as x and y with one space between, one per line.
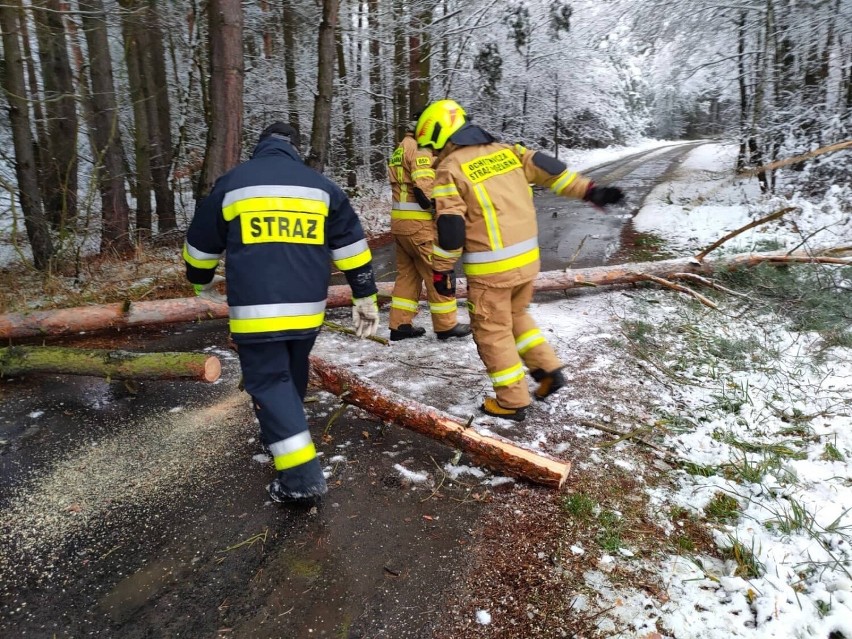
501 254
261 311
291 444
201 255
408 206
276 190
349 250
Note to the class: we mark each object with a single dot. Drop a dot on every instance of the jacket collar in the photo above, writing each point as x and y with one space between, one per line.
468 135
275 145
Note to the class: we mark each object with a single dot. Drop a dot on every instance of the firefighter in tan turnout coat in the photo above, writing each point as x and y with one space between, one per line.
485 215
411 174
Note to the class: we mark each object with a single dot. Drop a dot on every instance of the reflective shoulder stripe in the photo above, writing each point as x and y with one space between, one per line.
352 255
520 149
293 451
275 198
563 181
437 250
199 259
444 190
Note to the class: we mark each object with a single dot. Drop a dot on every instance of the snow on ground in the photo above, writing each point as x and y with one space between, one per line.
756 414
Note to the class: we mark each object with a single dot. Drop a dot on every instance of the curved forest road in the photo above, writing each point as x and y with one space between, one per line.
140 511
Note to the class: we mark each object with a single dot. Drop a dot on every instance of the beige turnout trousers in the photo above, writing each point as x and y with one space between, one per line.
506 335
414 268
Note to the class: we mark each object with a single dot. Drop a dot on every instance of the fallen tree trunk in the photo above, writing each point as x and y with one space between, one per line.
116 364
496 454
91 318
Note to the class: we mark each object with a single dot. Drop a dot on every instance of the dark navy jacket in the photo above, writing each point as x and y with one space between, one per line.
279 222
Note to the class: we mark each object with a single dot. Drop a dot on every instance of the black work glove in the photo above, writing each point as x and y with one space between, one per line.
603 195
445 282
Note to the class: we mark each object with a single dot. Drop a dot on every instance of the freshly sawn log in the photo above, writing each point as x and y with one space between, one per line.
115 364
90 318
499 455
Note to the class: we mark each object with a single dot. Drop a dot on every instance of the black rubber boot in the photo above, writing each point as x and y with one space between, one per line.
303 485
548 383
459 330
404 331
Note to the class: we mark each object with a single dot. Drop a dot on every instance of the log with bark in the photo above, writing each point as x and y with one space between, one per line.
497 454
156 312
111 364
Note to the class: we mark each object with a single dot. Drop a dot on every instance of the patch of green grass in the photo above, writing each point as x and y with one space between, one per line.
745 470
699 469
722 508
792 519
579 505
609 537
831 453
675 423
748 565
684 543
638 331
648 247
735 351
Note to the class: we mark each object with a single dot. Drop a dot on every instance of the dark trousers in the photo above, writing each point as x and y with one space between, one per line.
275 374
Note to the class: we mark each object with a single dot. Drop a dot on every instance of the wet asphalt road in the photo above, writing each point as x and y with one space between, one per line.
141 512
575 232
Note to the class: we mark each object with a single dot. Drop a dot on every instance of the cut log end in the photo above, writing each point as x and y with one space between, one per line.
212 369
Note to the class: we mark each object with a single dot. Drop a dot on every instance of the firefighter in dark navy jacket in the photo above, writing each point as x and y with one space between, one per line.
279 221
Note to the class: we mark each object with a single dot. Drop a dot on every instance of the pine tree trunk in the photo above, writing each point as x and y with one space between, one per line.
108 154
321 126
60 162
26 168
22 360
497 454
224 137
350 159
378 130
289 21
400 77
419 55
134 42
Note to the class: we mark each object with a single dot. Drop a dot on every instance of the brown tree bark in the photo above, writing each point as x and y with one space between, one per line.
21 360
60 161
378 127
499 455
321 126
108 154
419 55
134 43
400 75
350 157
289 23
112 316
224 136
26 169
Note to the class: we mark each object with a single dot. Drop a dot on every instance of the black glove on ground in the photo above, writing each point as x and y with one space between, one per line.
603 195
445 282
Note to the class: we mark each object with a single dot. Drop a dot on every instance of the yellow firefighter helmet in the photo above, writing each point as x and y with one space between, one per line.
438 122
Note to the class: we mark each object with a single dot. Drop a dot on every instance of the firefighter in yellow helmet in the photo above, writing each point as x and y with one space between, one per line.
411 174
485 215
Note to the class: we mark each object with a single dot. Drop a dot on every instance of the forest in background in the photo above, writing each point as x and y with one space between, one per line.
122 112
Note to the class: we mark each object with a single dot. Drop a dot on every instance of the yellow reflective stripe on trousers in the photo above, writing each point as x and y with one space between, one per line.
444 190
489 215
529 340
507 376
563 181
199 259
293 451
352 255
404 304
441 308
268 318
